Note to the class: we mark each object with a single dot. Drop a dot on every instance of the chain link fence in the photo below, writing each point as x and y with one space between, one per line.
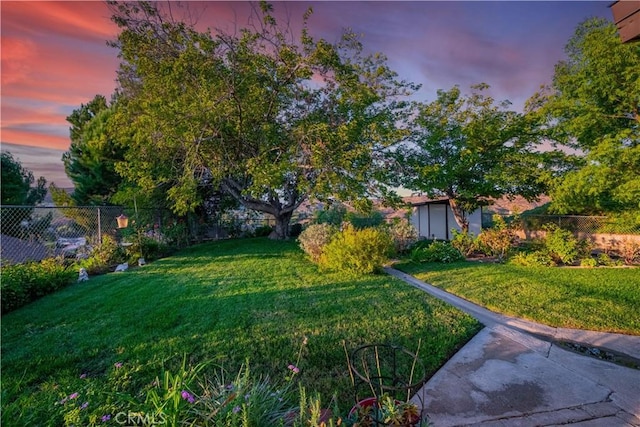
34 233
604 232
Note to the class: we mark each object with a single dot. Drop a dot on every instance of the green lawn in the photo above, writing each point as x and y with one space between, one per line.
600 299
229 301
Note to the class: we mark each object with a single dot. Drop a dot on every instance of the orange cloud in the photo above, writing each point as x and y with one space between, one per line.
35 139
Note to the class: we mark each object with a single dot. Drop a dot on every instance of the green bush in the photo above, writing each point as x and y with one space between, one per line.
466 243
104 256
606 261
403 234
314 238
23 283
532 259
436 252
562 245
357 251
142 247
588 262
262 231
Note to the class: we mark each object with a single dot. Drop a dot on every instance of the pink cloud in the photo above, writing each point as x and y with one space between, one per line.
44 139
17 55
73 19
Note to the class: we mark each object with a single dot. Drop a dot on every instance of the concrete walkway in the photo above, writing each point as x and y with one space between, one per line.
518 373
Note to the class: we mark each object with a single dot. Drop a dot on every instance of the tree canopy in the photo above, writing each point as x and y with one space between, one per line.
17 183
593 106
90 161
270 118
469 149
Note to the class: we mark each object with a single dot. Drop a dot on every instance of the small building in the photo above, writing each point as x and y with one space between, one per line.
434 219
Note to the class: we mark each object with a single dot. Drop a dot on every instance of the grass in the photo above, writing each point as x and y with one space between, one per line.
600 299
232 301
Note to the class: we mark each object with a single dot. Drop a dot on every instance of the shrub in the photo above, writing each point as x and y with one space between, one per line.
630 251
403 234
104 256
436 252
357 251
23 283
588 262
262 231
176 235
562 245
464 242
496 241
606 261
532 259
145 247
314 238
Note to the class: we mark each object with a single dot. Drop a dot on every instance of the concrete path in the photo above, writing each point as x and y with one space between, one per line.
517 373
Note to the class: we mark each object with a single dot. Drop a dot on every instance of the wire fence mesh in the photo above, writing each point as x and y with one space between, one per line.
604 232
34 233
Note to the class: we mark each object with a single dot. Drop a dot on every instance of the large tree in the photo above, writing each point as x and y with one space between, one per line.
90 161
469 149
593 107
272 119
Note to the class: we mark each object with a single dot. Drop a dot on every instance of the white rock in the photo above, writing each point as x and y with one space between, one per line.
83 276
122 267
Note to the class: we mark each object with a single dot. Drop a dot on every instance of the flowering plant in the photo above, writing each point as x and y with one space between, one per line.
385 411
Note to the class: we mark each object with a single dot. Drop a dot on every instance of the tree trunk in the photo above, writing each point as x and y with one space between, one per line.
460 215
281 213
281 231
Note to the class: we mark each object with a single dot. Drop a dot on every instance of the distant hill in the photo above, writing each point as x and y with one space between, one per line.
519 204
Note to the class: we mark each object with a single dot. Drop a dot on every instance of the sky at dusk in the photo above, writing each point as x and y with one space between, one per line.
55 56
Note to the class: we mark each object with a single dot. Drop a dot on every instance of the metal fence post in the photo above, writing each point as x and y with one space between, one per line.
99 228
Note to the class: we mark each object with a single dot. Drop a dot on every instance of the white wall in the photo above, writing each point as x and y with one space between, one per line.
437 220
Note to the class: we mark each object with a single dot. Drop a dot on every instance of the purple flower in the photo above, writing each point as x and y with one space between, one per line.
294 368
118 365
83 376
84 405
63 401
73 396
188 396
106 418
236 409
